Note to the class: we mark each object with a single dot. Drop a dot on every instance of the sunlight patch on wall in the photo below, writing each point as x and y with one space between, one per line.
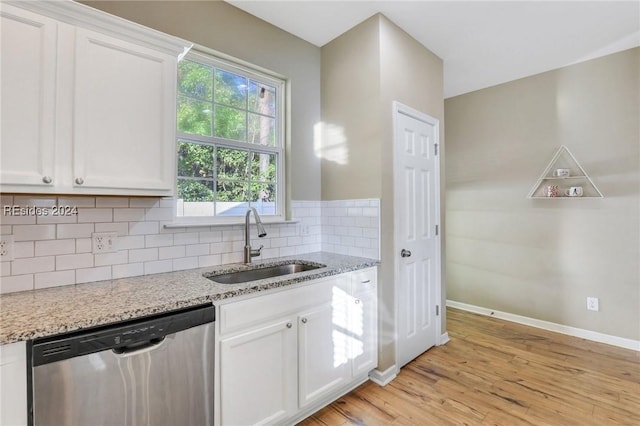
330 143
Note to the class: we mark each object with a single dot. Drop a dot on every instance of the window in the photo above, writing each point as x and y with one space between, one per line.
230 140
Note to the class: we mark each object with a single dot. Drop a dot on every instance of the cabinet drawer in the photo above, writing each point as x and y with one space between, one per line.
364 281
240 315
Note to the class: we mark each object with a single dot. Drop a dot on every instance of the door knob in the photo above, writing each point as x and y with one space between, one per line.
405 253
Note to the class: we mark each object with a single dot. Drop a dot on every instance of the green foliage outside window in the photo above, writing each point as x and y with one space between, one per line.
219 104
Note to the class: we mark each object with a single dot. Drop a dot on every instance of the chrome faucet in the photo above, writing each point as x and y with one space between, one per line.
248 252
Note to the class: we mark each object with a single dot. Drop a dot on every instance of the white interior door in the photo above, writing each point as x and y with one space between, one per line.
417 207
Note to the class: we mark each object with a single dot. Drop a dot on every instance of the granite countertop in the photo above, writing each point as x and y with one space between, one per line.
38 313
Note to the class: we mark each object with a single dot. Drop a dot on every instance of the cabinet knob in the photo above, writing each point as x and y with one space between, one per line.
47 179
357 301
304 320
79 181
289 325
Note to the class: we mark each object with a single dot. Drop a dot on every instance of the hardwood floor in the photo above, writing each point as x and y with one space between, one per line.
494 372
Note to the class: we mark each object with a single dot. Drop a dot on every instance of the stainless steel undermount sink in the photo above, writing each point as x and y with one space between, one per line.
262 273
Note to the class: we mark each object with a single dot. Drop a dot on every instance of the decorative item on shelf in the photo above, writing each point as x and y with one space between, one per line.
562 173
564 166
574 191
550 191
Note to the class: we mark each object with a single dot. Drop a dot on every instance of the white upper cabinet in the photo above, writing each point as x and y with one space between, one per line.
28 98
102 92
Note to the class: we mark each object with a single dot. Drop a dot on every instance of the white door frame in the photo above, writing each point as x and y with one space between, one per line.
399 108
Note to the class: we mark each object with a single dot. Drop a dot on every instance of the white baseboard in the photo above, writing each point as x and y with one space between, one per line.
385 377
444 338
551 326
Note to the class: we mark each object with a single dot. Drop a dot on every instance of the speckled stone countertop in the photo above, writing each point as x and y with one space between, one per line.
31 314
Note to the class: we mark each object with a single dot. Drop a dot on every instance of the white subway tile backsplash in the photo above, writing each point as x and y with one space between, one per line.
210 236
31 265
73 261
158 240
128 215
158 266
55 215
145 246
127 270
144 202
23 249
34 201
196 250
16 283
80 230
34 232
209 260
104 259
55 279
185 263
53 247
121 229
143 255
159 213
112 202
172 252
84 245
143 228
93 274
77 201
87 215
130 242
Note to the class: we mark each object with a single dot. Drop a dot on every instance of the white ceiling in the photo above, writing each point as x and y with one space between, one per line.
482 43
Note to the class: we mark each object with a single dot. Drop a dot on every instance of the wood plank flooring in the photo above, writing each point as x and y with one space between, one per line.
494 372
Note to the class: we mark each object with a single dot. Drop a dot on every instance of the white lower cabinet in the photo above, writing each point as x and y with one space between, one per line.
285 354
259 366
13 384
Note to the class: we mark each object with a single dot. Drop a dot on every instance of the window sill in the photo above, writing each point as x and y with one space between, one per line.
175 225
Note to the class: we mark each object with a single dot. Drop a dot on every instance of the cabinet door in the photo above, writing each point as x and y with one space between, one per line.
364 322
323 349
28 100
124 117
13 384
258 378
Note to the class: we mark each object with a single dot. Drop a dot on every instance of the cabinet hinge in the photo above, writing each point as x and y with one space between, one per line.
437 310
435 149
437 230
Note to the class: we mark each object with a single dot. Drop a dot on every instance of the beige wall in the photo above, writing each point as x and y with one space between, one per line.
542 258
227 29
363 72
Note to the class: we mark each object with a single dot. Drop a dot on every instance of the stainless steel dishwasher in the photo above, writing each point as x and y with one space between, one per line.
152 371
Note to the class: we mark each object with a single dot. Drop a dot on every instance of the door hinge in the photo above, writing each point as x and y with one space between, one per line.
437 310
437 229
435 149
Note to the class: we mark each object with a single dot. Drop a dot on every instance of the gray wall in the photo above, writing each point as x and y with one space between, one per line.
542 258
363 71
227 29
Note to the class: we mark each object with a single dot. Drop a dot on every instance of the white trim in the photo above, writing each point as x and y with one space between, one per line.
550 326
383 378
444 338
399 108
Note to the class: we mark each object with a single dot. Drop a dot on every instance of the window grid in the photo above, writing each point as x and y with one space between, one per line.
273 183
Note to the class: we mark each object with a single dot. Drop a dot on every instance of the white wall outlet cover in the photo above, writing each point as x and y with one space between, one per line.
6 248
104 242
593 304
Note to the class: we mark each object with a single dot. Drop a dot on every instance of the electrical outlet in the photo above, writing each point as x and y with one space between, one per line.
104 242
592 304
6 248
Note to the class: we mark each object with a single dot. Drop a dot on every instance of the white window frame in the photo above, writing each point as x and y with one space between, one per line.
261 76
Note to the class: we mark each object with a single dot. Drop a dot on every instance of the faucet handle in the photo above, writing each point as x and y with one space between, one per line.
256 252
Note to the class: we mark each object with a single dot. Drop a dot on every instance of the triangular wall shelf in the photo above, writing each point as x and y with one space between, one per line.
563 159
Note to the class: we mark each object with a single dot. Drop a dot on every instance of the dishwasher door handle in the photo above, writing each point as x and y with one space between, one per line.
139 348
